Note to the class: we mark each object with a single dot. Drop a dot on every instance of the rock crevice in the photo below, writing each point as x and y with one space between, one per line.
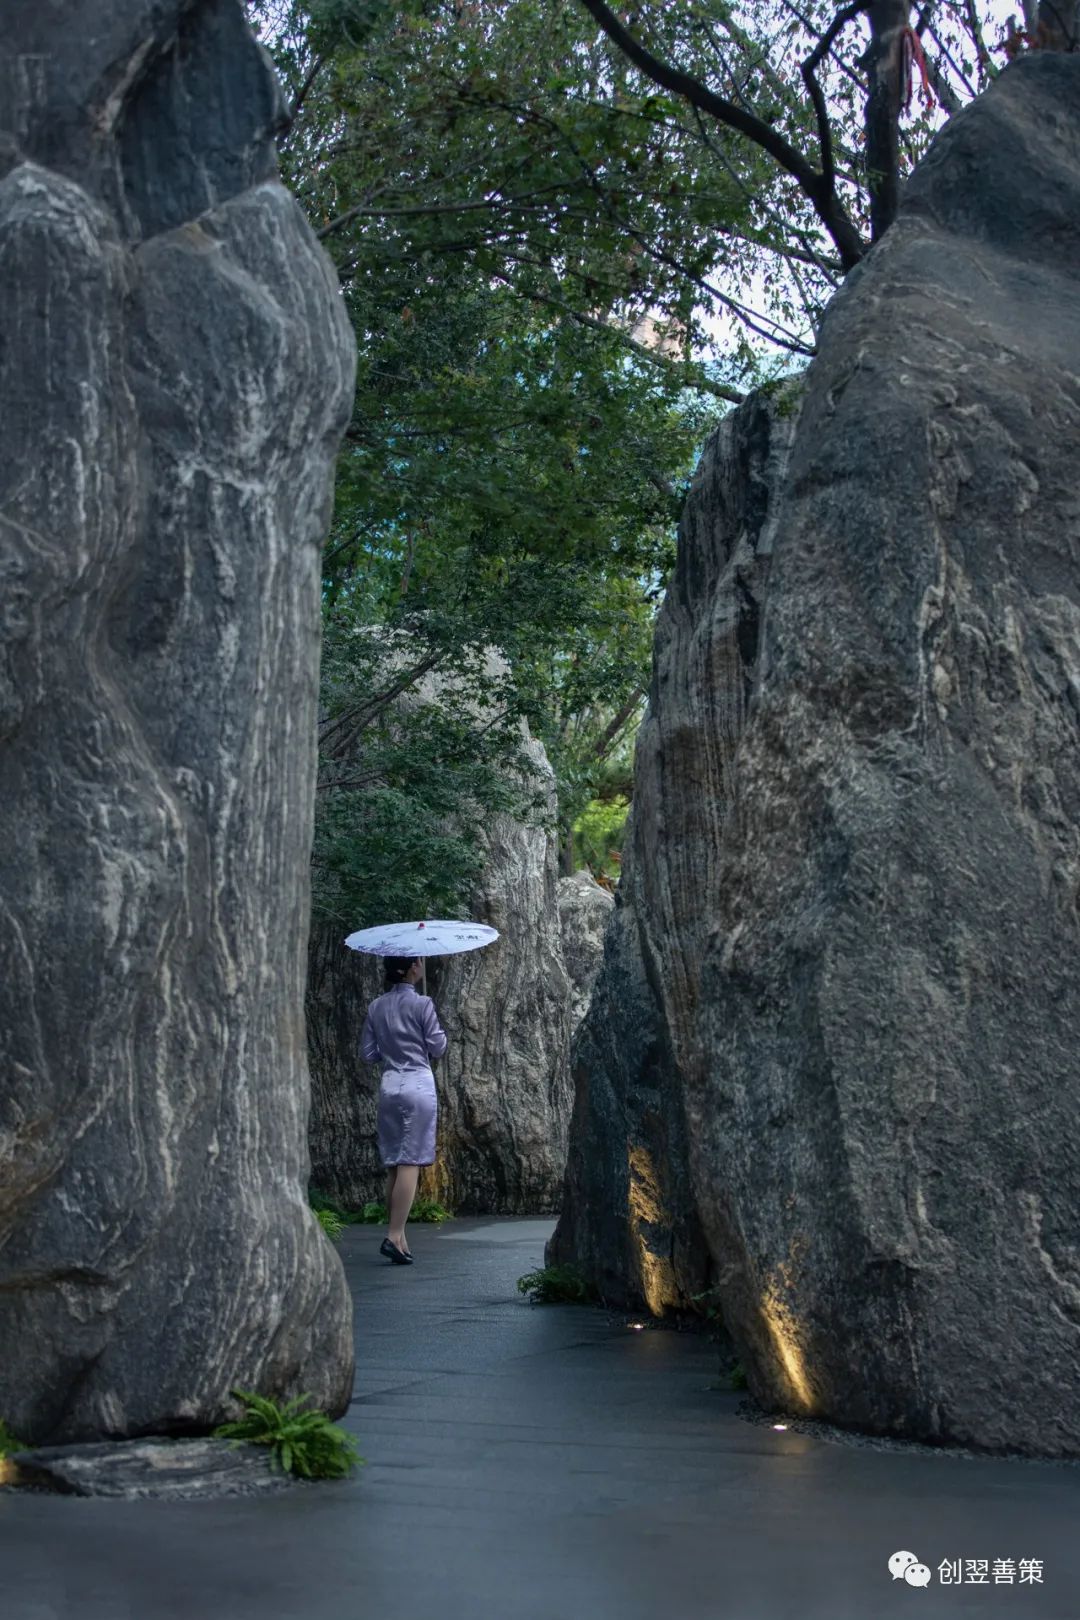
504 1086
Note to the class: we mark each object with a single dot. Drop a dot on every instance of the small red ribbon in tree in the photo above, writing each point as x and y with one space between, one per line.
913 52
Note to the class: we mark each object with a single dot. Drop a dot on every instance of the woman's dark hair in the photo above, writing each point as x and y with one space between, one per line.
396 967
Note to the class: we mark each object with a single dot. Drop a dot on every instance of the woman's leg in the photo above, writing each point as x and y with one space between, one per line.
401 1201
391 1182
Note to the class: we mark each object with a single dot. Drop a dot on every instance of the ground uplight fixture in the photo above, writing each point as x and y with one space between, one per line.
637 1326
779 1425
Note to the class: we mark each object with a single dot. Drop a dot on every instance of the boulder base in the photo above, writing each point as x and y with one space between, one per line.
178 1469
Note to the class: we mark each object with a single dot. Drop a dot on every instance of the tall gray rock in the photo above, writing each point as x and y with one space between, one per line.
629 1213
585 908
877 1074
175 374
504 1084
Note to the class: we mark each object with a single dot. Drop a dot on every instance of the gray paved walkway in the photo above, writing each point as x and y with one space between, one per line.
539 1463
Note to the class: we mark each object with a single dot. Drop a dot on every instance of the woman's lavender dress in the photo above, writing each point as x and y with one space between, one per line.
403 1033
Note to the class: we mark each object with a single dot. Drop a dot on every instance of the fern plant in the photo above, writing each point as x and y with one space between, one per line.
330 1221
301 1441
556 1285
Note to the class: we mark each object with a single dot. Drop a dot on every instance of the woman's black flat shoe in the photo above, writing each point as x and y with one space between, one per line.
392 1252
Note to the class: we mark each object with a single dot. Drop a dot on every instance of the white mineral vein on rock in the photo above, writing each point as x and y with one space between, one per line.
175 374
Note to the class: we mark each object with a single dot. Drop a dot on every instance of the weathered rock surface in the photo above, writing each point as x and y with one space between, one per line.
504 1084
180 1469
175 372
629 1215
584 912
876 1073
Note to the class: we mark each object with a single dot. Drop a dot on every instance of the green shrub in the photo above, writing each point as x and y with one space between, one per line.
319 1201
374 1213
8 1442
425 1209
599 835
787 392
331 1223
301 1442
737 1378
708 1304
556 1285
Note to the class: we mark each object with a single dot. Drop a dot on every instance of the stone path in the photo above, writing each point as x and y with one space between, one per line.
547 1463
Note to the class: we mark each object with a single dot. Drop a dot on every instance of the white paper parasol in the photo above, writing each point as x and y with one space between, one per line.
434 937
430 938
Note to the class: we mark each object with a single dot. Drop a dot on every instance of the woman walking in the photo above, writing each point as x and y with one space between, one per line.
403 1033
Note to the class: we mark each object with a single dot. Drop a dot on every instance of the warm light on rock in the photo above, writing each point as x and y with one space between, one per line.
646 1208
784 1332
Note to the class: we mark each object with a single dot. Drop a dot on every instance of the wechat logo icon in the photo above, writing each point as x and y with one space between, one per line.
904 1566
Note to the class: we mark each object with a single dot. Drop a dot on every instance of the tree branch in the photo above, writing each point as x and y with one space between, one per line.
410 558
370 779
817 187
949 101
345 728
982 54
808 23
302 94
610 734
654 357
788 341
940 84
817 96
807 253
419 210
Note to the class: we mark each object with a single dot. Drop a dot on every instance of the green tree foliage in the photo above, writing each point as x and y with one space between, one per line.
697 158
564 241
409 777
511 480
599 832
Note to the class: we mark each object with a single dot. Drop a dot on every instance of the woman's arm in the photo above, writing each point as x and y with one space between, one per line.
434 1034
369 1046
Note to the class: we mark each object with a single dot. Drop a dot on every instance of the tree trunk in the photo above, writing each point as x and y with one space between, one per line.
1059 25
884 63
